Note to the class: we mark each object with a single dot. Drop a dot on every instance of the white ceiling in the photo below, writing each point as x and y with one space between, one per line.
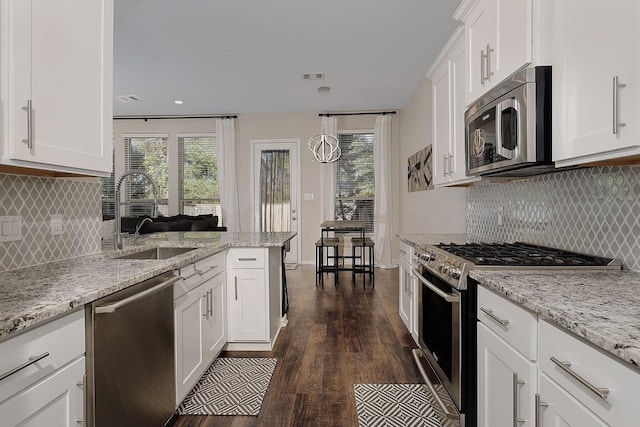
248 56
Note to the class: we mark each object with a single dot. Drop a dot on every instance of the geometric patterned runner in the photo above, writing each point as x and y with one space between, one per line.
231 386
395 405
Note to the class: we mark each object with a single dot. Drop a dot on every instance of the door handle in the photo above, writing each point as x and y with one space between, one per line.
29 362
293 218
616 89
601 392
29 111
206 306
516 397
105 309
236 287
539 404
489 313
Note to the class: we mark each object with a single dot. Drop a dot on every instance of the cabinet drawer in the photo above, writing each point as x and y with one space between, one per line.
520 328
59 341
405 251
620 407
196 273
247 258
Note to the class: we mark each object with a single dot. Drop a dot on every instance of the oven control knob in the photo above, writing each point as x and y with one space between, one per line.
444 267
455 273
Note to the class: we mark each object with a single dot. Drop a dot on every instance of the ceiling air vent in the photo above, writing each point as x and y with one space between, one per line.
313 76
128 98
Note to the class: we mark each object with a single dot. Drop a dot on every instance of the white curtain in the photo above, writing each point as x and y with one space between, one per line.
228 181
382 206
328 173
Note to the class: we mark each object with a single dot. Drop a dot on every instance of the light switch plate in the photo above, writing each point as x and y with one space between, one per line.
308 196
56 225
10 228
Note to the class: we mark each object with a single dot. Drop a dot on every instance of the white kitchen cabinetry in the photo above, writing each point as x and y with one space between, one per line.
199 320
448 77
581 369
406 286
56 88
559 408
595 120
253 298
507 378
50 389
501 37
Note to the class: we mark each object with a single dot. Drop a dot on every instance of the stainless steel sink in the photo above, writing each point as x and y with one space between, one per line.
156 253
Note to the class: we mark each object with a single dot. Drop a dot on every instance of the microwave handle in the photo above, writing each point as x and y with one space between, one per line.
500 149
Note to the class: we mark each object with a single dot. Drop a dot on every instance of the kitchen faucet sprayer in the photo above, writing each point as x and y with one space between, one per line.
118 218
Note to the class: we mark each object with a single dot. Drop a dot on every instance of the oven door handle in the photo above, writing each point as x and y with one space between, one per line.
445 296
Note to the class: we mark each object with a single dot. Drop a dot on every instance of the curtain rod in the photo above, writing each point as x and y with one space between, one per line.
194 116
384 113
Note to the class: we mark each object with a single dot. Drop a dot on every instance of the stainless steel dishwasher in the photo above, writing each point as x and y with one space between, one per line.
130 356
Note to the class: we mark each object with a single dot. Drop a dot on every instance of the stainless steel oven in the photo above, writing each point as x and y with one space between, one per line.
508 131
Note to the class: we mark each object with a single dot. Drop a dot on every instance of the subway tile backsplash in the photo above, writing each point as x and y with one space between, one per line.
36 199
591 210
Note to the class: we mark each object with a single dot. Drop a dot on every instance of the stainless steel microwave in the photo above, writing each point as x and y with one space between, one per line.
508 131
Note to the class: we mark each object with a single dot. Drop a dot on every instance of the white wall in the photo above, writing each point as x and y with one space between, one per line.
441 210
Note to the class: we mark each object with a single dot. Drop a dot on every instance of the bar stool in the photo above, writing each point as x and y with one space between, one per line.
321 268
366 243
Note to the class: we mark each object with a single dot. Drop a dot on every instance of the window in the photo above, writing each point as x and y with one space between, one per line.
355 188
198 191
108 190
148 154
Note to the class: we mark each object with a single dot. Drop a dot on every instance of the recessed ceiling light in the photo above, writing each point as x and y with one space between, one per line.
313 76
178 102
324 89
128 98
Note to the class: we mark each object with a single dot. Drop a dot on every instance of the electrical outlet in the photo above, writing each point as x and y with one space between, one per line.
55 225
308 196
10 228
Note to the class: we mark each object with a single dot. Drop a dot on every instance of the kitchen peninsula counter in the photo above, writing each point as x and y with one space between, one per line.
31 295
602 307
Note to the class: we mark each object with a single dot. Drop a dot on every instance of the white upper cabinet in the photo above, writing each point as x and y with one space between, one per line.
595 45
57 60
448 77
501 37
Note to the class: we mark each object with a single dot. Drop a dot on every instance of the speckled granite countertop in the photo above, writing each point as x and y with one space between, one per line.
602 307
418 240
34 294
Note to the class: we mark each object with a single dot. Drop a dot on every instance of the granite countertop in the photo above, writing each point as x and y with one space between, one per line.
603 307
35 294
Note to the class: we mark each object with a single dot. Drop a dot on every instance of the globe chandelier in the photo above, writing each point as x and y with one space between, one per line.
325 148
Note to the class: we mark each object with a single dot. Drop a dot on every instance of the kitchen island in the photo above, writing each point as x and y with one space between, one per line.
35 294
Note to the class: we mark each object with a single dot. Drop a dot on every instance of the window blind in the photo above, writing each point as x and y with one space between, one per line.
355 189
148 154
198 190
108 189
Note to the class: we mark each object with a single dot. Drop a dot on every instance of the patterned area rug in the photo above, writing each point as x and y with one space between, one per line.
395 405
231 386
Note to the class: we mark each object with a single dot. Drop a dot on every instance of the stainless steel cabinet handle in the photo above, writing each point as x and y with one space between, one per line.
236 286
482 79
489 313
444 165
445 296
516 398
84 399
450 163
488 57
201 272
106 309
211 302
29 139
601 392
29 362
206 306
539 404
247 259
616 88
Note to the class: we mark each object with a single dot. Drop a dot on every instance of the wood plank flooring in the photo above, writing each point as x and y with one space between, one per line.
336 337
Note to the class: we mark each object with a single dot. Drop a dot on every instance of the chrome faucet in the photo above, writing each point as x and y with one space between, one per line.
140 224
117 241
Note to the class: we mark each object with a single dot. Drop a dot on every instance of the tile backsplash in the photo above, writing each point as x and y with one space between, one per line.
36 199
591 210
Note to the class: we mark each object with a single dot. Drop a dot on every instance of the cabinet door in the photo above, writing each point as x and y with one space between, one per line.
561 409
405 293
480 30
457 162
190 310
506 381
593 43
61 61
513 39
215 325
441 124
247 305
57 400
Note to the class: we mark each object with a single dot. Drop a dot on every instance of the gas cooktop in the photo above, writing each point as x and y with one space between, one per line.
452 262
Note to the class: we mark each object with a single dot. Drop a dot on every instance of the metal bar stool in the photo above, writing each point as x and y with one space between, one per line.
363 268
321 268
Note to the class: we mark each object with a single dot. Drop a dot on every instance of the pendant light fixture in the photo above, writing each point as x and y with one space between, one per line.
325 148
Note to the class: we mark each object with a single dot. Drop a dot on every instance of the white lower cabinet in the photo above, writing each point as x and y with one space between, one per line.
200 327
559 408
506 383
405 283
55 401
247 302
49 391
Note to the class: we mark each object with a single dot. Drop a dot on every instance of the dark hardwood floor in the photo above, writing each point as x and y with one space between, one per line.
336 337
